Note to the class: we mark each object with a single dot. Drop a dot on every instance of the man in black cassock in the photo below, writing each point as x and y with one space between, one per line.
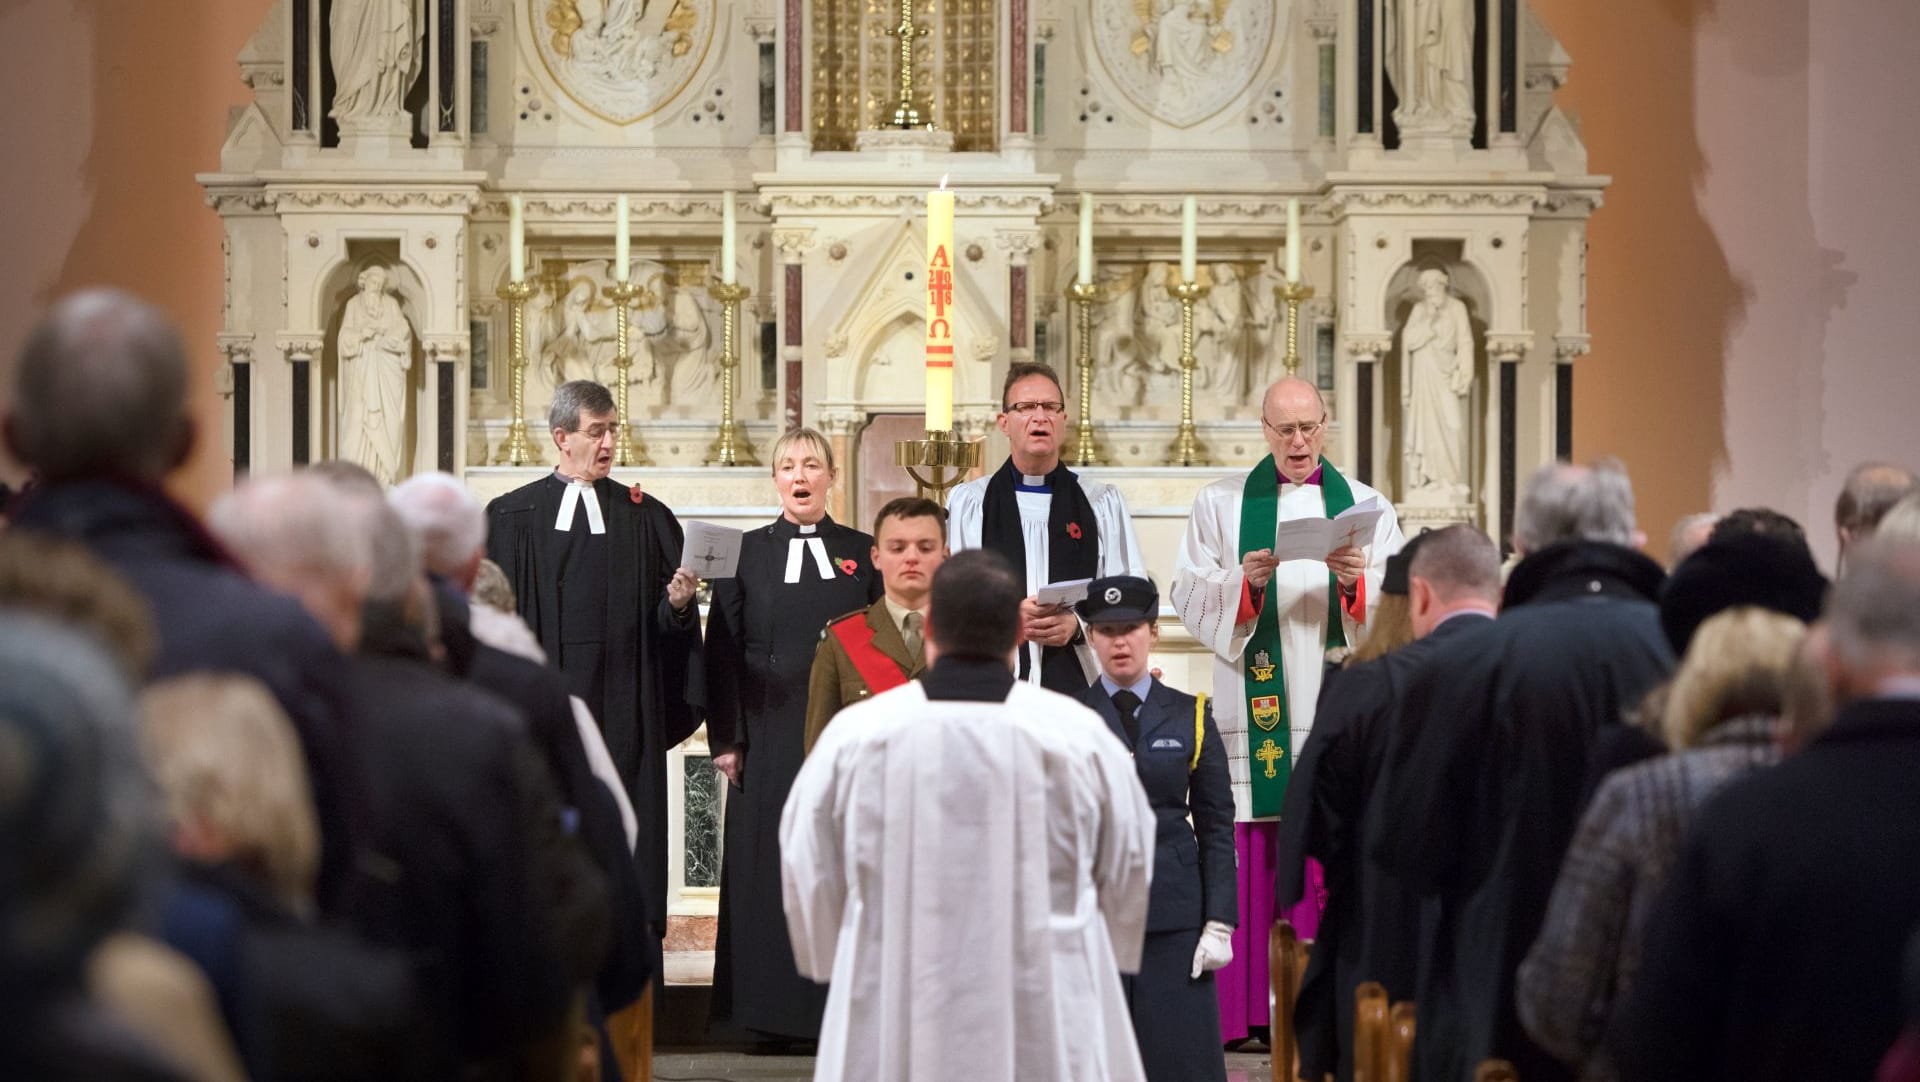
595 568
1482 785
1371 928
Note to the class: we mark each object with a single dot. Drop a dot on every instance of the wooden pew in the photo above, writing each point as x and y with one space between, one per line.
1495 1070
1399 1042
1287 957
1382 1036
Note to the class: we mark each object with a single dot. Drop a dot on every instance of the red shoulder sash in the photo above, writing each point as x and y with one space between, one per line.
880 672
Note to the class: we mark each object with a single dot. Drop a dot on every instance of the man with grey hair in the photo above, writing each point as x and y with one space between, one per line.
1370 931
1485 768
595 567
1870 491
98 408
1776 951
463 815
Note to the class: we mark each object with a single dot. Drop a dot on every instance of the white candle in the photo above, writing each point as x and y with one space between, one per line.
1085 276
622 245
940 313
1189 238
516 242
1293 241
728 273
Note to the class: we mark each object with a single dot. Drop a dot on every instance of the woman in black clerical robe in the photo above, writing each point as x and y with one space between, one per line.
795 575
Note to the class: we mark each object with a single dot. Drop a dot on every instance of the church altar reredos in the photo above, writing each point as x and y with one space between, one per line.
395 132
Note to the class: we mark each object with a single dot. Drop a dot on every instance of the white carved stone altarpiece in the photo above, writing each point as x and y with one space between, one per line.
1407 154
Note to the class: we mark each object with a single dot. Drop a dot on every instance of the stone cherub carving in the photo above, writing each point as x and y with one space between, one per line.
375 351
1436 345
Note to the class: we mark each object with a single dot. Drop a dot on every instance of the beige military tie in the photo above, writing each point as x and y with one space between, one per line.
911 632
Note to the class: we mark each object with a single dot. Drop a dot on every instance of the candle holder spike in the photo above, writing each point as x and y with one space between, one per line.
1292 294
627 451
1086 449
518 448
731 447
1186 449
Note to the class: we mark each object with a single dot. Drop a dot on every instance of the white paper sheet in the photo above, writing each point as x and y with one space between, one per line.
1314 538
713 552
1068 592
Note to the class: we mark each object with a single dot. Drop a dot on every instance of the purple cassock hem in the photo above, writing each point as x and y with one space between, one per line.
1244 986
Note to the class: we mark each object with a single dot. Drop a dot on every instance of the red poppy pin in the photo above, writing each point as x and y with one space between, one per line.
849 566
635 494
1073 530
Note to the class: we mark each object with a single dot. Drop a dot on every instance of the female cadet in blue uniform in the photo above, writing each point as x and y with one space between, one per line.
1183 767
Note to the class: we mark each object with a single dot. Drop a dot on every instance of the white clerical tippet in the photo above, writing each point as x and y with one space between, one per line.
580 492
713 552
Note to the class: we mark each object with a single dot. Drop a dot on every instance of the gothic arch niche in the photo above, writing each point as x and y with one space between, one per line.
336 289
1466 282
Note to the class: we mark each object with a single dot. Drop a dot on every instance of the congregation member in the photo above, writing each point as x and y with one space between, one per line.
1869 492
98 408
763 627
1191 907
595 568
882 646
450 527
1483 779
1448 581
1775 951
967 858
1688 535
77 847
1051 524
1721 720
473 881
1269 625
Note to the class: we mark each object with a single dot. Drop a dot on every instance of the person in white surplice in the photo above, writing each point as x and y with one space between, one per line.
1051 524
1269 625
967 859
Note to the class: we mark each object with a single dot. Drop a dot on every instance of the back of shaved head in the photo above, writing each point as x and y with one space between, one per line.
100 389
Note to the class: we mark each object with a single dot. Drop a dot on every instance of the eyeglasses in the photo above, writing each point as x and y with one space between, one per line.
1024 408
596 433
1308 429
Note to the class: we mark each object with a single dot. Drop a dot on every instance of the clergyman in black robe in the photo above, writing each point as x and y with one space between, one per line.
796 574
605 593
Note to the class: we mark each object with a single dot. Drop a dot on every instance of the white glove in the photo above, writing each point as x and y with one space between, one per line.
1215 950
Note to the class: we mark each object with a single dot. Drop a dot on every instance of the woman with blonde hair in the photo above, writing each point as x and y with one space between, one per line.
796 574
1720 718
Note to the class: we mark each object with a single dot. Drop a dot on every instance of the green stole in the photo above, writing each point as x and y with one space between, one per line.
1263 685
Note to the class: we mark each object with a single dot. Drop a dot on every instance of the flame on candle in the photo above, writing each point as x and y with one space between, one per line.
943 181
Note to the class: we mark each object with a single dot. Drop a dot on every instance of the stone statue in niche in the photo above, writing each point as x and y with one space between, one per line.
375 55
1429 55
1436 347
375 351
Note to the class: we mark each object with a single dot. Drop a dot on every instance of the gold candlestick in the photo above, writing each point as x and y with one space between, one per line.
943 453
731 448
518 449
905 113
627 451
1291 294
1085 451
1186 449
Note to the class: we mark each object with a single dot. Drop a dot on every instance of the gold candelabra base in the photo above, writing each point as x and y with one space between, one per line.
1086 448
518 448
946 456
1186 449
731 447
1292 294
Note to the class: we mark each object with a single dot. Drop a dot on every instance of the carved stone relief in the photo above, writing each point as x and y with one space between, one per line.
622 60
1182 61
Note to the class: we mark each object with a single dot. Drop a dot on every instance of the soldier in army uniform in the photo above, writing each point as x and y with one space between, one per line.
881 646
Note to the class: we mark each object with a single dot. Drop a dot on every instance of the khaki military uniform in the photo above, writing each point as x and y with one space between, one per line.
836 682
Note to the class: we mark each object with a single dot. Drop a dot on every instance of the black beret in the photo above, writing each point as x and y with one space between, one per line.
1396 581
1748 569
